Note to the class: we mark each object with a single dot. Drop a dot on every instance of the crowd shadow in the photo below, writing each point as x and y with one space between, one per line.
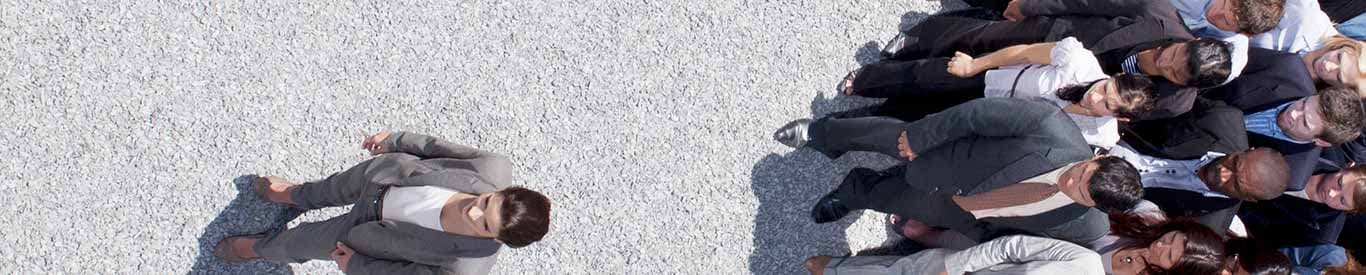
787 186
245 214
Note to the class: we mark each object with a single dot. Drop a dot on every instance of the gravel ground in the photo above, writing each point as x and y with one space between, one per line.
132 125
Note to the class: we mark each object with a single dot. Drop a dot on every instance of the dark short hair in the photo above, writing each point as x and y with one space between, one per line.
526 217
1359 201
1115 185
1258 16
1209 61
1342 115
1256 259
1269 176
1138 91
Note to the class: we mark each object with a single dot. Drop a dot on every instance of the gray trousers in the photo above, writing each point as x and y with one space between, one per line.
316 240
930 262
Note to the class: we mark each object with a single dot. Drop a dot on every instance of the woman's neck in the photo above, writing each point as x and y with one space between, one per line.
1077 110
1147 61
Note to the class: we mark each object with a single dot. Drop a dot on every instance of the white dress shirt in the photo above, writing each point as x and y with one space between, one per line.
1169 173
1070 64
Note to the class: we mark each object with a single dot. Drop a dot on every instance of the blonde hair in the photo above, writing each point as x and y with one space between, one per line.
1352 46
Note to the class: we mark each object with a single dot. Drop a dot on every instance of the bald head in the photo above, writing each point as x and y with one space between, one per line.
1252 175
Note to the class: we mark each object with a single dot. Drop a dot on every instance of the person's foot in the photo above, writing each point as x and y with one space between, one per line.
237 249
846 86
893 46
794 134
275 189
828 209
816 265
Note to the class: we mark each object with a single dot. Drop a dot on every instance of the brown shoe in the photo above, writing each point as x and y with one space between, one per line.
263 187
816 265
225 251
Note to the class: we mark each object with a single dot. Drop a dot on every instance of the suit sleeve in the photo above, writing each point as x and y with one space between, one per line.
431 147
365 265
1020 249
987 117
1084 7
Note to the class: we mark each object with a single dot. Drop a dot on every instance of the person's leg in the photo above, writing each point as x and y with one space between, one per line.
915 78
889 192
339 189
924 262
941 36
910 109
308 241
835 136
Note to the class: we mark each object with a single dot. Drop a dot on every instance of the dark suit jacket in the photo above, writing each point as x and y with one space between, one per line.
989 143
1291 221
1216 213
1104 25
1271 79
390 247
1209 126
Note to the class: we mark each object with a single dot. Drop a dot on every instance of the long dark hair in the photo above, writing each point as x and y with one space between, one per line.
1137 90
1204 252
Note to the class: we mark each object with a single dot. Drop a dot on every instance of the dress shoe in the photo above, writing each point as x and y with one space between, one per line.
893 46
794 134
829 209
225 250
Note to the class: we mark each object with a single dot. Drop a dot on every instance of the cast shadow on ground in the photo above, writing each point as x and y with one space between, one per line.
245 214
787 186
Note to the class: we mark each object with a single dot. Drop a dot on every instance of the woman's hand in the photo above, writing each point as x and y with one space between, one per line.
963 65
375 143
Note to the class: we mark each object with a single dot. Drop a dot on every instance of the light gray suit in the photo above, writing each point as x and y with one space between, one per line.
391 247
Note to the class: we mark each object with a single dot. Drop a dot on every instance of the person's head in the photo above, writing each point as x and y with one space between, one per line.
1200 63
1342 190
1248 17
1334 116
514 216
1176 246
1340 62
1252 175
1124 95
1107 183
1245 257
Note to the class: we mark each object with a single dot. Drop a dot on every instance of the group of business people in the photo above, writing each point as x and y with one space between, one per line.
1107 137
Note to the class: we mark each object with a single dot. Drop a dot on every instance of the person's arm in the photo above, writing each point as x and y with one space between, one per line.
423 146
361 265
1019 9
985 117
1021 249
964 65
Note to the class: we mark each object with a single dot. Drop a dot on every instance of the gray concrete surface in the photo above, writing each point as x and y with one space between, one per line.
130 124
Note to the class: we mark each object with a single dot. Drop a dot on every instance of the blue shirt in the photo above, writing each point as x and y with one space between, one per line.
1264 123
1312 259
1301 29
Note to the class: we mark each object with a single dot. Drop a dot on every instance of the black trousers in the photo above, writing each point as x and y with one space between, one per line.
916 88
942 35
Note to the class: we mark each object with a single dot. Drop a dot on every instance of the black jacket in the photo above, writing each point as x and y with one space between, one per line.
1210 126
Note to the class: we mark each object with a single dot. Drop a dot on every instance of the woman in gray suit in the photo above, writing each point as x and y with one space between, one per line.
1169 247
423 206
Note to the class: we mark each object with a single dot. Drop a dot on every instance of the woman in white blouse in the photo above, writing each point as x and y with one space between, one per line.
1064 71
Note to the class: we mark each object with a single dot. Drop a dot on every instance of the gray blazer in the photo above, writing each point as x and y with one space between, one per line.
390 247
990 143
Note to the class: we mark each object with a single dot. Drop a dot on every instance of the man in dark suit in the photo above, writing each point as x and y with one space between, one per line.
988 163
1208 188
1310 217
1273 79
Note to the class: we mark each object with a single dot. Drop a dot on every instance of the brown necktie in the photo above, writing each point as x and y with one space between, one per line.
1011 195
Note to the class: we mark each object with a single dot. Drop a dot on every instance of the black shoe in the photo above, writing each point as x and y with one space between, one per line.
893 46
829 209
794 134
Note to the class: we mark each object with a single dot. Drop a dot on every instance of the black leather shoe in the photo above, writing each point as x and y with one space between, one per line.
829 209
893 46
794 134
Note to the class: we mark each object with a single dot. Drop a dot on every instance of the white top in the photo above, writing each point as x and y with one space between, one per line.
1020 254
1057 200
1169 173
1070 64
420 205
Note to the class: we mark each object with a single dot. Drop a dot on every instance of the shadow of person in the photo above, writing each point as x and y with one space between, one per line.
246 214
